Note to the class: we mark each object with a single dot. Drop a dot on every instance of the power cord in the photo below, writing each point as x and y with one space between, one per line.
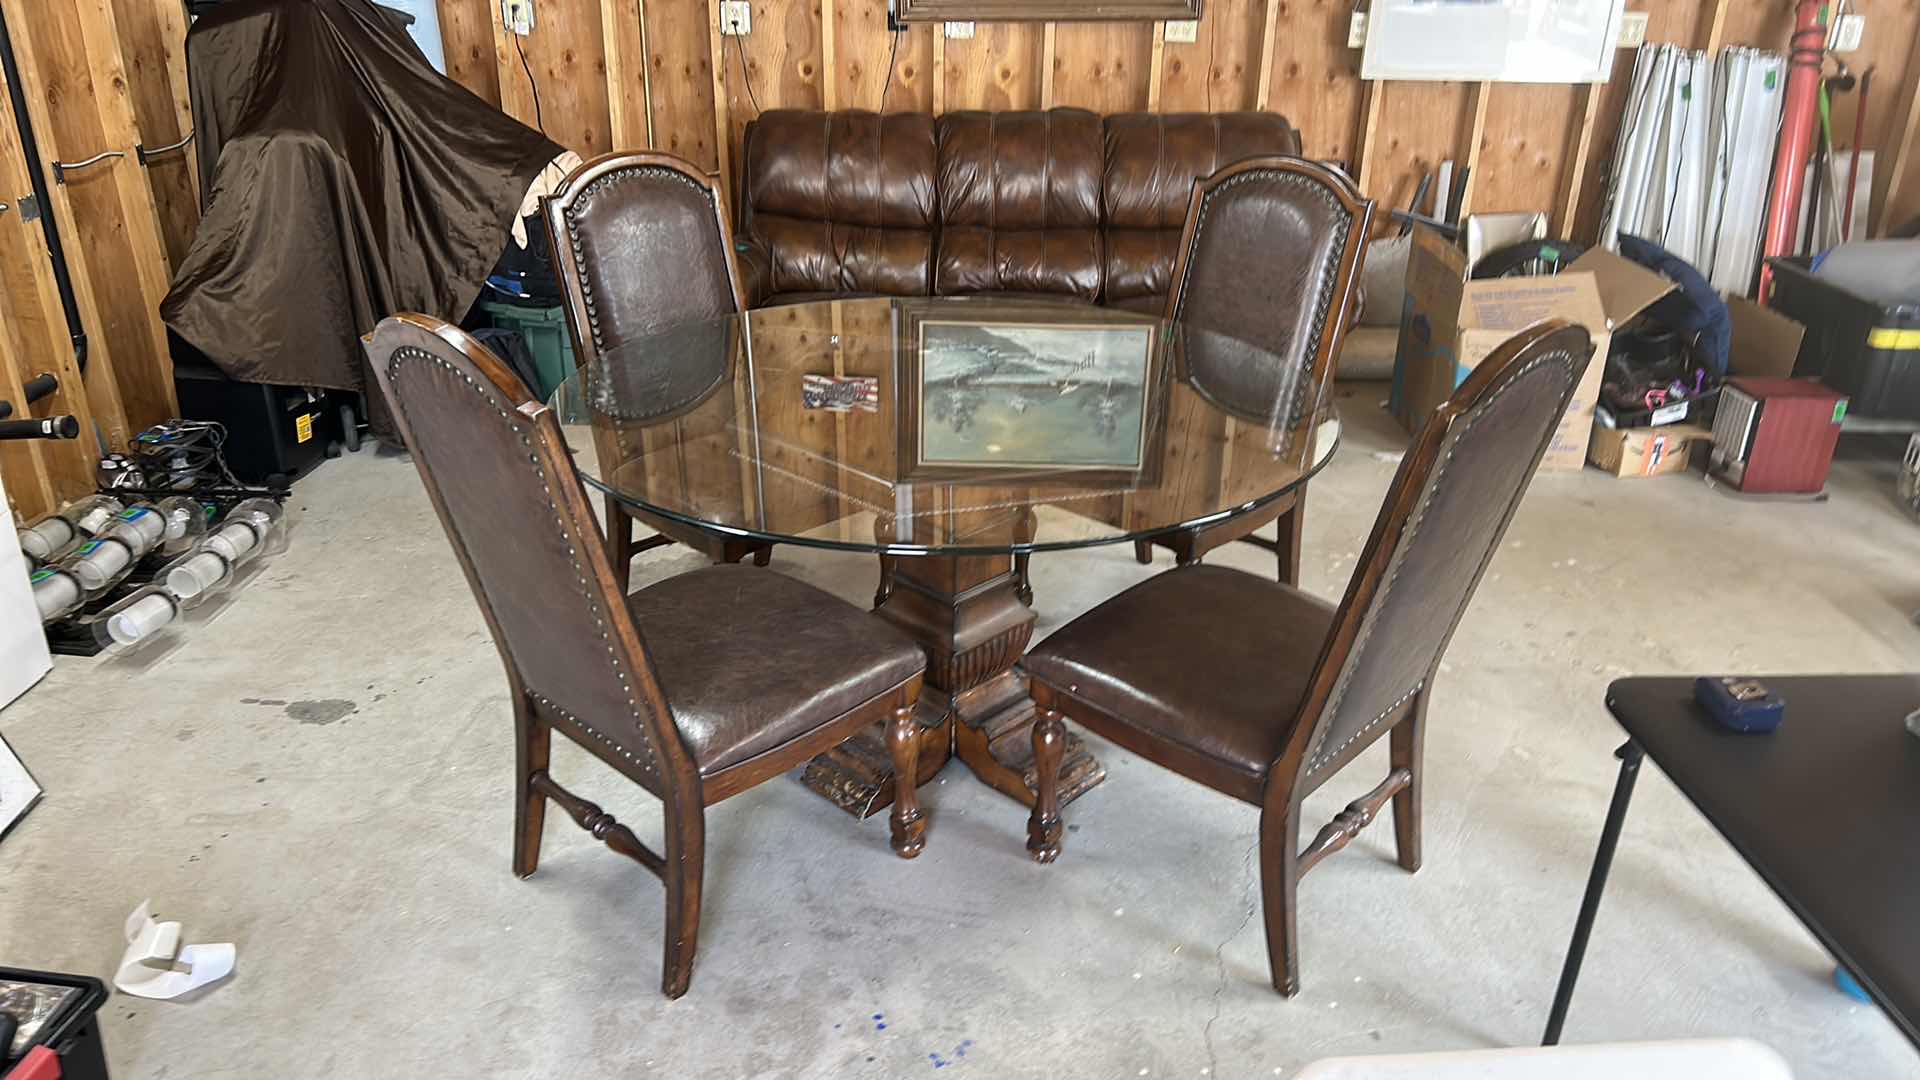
892 51
535 86
746 73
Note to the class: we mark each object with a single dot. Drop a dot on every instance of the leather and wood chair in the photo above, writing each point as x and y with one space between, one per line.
641 243
1264 692
1271 256
695 688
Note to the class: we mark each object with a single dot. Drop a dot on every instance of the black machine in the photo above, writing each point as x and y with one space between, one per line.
271 434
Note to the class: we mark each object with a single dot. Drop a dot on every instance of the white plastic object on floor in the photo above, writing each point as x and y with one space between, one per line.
1686 1059
197 574
55 592
23 647
50 534
137 618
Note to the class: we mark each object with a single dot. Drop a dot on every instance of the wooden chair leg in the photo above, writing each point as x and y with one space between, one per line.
1043 825
1143 552
619 541
908 821
683 874
1405 750
1287 540
532 743
1279 896
885 589
763 556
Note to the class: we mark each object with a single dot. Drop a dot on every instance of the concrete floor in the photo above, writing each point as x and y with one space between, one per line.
320 774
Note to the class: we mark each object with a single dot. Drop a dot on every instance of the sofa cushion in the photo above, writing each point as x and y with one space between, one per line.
841 201
1151 161
1019 200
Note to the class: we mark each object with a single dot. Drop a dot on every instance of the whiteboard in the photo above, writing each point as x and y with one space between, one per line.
1540 41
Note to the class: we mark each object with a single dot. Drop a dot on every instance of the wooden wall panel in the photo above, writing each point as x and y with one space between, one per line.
998 68
1526 146
680 71
862 46
153 42
71 52
567 97
782 63
466 36
1316 78
1102 66
1219 70
1421 125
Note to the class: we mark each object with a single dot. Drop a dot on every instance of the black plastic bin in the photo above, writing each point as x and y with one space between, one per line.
275 434
1864 349
73 1032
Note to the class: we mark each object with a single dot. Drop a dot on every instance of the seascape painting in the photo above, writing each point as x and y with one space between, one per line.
1034 395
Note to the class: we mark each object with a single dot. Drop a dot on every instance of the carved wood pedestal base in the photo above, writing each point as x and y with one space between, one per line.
967 613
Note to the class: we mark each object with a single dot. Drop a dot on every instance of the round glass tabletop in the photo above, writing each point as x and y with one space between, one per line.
944 426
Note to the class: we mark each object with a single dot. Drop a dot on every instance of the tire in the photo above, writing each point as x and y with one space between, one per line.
349 428
1529 258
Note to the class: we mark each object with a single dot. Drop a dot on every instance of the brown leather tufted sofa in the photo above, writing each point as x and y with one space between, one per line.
1062 203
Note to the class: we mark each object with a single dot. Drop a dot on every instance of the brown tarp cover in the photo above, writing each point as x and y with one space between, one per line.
345 180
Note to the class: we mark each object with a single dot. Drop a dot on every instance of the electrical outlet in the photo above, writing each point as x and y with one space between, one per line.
1182 31
1847 33
1357 31
1633 29
956 31
736 17
518 16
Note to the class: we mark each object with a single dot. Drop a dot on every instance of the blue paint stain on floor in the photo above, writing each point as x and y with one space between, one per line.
953 1058
879 1021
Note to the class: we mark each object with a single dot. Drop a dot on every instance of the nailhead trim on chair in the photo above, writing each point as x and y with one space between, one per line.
1317 760
1343 225
620 176
644 757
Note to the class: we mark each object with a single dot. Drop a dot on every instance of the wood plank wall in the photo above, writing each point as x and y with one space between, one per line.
1531 147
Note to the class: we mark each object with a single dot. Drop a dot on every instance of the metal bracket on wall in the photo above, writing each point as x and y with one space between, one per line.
62 168
29 208
145 155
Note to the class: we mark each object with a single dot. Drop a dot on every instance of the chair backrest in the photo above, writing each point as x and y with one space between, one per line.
1271 257
640 243
1449 505
500 476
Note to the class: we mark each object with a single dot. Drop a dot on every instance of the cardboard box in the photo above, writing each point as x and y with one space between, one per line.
1765 342
1449 324
1647 451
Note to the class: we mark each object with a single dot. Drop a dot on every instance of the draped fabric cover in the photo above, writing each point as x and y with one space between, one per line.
345 180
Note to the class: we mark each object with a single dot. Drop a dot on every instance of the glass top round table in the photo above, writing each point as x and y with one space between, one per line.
953 437
944 426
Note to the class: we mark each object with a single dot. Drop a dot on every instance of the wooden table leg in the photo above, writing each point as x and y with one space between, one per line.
967 612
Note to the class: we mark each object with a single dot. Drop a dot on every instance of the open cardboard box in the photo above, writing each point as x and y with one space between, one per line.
1449 324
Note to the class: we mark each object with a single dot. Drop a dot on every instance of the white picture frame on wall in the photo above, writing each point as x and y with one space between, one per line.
1528 41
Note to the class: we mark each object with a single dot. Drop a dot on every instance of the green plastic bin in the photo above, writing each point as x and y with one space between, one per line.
545 330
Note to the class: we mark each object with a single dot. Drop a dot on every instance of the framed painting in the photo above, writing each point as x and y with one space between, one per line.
1065 399
1047 10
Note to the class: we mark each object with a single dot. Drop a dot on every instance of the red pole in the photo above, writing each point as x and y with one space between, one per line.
1797 125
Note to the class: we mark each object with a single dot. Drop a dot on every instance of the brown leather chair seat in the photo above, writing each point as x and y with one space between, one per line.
1214 660
750 660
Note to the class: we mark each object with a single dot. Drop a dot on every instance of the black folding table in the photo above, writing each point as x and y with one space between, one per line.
1826 809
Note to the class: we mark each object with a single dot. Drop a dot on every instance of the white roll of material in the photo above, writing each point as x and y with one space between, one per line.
141 618
55 595
49 536
197 574
234 541
99 562
140 529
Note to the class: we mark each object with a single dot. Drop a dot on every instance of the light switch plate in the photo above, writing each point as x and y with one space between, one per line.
1357 31
736 17
1182 31
956 31
517 15
1633 30
1847 33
